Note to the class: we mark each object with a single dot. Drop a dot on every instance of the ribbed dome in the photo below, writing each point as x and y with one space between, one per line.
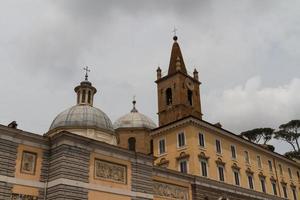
134 119
82 116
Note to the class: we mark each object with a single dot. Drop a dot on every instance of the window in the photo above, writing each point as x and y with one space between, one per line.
83 96
250 182
151 146
263 185
270 165
274 188
236 177
290 173
280 169
221 173
294 193
284 189
168 96
247 159
89 96
183 166
218 146
131 143
259 162
204 168
298 175
233 152
181 140
162 146
201 140
190 97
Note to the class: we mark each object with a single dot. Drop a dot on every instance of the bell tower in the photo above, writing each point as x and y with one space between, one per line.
178 92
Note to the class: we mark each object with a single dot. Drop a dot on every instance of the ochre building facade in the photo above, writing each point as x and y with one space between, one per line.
85 156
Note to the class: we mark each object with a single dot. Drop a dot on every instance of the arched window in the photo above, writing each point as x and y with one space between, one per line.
89 96
190 97
83 96
131 144
169 96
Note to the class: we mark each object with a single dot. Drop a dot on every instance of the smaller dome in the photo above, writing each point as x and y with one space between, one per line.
134 119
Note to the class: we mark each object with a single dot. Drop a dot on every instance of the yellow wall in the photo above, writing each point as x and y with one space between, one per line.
36 175
94 195
193 149
142 139
18 189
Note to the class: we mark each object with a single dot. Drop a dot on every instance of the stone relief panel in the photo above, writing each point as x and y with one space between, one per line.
28 162
170 191
15 196
110 171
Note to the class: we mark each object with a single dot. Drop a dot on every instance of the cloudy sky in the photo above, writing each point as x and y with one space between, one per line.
247 53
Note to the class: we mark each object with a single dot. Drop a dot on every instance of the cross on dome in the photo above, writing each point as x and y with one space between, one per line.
86 69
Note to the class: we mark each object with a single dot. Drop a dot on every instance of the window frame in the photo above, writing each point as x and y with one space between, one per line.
263 186
270 164
252 179
216 146
223 169
165 146
185 143
237 182
235 152
259 162
187 165
201 169
204 143
247 161
290 173
274 188
285 191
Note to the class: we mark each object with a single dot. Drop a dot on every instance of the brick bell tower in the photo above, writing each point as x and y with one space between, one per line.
178 92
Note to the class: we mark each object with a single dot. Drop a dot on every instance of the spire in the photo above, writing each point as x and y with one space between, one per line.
176 60
86 69
134 102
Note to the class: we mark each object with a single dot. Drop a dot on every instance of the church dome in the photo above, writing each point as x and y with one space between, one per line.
84 119
82 116
134 119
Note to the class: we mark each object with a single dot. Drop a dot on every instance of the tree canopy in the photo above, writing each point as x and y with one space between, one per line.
259 135
290 133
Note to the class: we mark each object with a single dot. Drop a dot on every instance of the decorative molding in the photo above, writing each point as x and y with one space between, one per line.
220 162
15 196
203 156
235 167
110 171
183 155
170 191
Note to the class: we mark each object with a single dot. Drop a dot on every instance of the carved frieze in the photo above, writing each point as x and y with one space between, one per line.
15 196
110 171
170 191
28 162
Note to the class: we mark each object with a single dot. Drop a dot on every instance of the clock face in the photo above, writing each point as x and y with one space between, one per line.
189 83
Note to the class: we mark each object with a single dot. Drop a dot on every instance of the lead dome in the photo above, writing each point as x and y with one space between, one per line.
134 119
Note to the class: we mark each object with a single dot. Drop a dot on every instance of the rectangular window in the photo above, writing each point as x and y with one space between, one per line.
290 173
233 152
236 177
263 185
280 169
294 193
259 162
218 146
274 188
204 168
183 166
162 146
201 140
284 191
250 182
221 173
181 140
28 163
247 159
270 165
